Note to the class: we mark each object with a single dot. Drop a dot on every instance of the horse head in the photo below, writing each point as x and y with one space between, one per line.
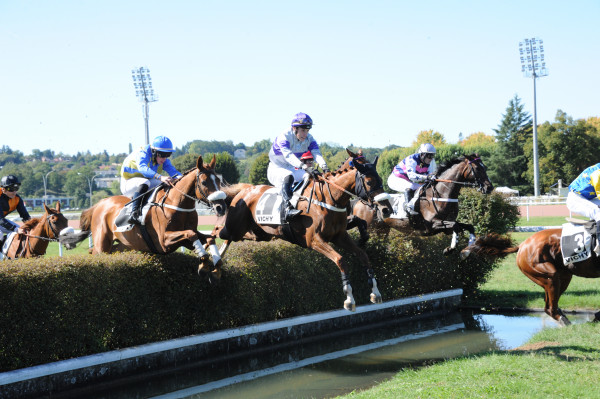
478 172
370 190
55 225
208 186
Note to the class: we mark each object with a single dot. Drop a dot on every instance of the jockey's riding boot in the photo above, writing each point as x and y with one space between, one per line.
597 246
409 205
136 205
288 212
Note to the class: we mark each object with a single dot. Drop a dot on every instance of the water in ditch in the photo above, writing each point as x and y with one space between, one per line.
339 364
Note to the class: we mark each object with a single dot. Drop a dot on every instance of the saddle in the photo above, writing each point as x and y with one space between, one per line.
268 208
122 219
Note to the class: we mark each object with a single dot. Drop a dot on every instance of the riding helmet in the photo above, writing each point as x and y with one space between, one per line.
426 148
9 180
307 155
302 120
162 144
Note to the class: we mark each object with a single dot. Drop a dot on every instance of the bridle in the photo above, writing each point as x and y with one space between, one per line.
27 244
478 181
203 197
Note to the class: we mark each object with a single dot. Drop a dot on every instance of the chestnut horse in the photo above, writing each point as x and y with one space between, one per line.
539 257
438 201
323 204
171 221
51 226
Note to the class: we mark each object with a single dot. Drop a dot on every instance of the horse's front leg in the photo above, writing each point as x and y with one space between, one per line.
344 241
319 245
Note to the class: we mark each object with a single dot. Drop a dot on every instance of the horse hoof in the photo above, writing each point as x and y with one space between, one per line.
205 267
447 251
212 279
350 306
376 298
464 254
563 321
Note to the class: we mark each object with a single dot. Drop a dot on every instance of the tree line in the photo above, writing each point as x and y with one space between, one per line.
565 147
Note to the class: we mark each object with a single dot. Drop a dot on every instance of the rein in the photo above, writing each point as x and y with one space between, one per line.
205 200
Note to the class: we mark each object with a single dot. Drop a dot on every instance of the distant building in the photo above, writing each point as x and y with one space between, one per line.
65 202
240 153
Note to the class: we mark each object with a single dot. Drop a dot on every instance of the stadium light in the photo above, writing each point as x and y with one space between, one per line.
533 65
142 83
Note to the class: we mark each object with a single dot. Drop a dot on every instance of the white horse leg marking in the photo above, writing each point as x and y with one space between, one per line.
454 240
375 294
216 256
349 302
199 249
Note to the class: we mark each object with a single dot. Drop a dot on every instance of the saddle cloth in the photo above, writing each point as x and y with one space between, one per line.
575 243
7 242
269 206
121 221
397 202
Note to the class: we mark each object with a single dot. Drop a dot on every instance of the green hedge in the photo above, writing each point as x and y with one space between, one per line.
58 308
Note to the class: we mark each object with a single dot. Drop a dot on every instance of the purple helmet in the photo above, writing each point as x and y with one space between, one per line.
302 120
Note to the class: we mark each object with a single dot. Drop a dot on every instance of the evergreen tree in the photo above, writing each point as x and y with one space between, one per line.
508 164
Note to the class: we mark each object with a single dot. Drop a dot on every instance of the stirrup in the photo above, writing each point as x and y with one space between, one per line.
291 213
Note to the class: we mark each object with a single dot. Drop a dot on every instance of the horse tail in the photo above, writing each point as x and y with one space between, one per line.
493 245
85 220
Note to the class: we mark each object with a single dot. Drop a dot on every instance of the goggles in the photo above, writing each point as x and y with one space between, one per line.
429 155
11 188
163 154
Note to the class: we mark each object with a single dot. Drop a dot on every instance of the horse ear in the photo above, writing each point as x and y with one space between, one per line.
353 155
213 163
375 161
200 163
58 206
46 209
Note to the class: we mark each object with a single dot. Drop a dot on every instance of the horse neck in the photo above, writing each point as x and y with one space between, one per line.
183 190
344 179
451 189
37 246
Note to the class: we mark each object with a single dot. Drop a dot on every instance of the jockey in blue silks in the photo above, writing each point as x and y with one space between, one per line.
285 166
412 172
583 197
142 170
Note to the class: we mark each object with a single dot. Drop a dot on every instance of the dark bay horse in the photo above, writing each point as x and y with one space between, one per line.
323 219
438 201
51 226
171 222
539 257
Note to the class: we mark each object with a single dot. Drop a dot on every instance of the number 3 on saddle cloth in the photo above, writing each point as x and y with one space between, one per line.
576 241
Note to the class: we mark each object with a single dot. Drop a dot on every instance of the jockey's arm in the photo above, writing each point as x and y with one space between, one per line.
171 170
290 157
22 210
411 171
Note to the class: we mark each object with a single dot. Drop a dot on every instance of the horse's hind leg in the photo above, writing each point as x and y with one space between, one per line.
553 289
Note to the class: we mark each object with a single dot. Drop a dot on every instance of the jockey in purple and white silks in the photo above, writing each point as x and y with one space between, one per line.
142 170
285 166
412 172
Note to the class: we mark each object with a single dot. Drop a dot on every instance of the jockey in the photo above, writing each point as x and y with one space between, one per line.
142 170
10 201
412 172
583 197
285 167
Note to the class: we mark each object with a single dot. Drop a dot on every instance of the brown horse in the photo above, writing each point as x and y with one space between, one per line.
438 201
38 234
171 221
539 257
323 219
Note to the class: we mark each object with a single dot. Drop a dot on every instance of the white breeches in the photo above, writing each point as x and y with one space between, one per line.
276 174
588 208
130 186
5 230
399 185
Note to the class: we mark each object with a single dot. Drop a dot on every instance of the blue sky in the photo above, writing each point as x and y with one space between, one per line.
369 73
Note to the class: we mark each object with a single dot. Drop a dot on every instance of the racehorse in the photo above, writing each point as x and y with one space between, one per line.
540 258
323 204
51 226
437 203
171 221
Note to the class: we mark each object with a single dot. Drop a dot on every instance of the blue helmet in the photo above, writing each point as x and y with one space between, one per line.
302 120
162 144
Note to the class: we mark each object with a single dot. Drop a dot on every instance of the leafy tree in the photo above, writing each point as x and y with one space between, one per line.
259 147
24 173
508 164
566 147
185 162
478 138
258 170
429 136
225 166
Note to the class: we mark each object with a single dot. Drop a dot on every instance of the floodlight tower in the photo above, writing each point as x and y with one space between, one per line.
533 66
142 82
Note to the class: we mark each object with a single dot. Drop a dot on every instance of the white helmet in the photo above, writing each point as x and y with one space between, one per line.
427 148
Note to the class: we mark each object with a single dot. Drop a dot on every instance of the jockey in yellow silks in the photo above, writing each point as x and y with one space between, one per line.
142 170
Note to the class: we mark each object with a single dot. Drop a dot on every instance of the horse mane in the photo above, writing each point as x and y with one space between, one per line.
30 224
448 164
